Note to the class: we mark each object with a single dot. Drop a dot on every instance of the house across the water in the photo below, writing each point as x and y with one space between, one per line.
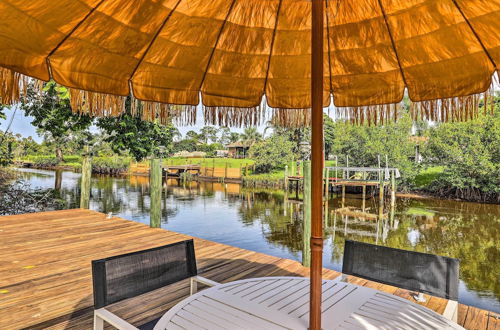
238 149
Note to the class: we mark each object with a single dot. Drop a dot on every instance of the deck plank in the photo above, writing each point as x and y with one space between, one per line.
45 278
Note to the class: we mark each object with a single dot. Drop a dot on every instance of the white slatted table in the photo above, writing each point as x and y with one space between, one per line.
283 303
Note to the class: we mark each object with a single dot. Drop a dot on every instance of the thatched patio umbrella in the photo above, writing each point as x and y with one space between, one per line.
228 54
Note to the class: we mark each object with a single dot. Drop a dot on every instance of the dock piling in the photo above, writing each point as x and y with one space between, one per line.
86 175
306 208
155 192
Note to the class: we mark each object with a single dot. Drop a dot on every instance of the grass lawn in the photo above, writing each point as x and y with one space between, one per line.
273 176
209 162
426 176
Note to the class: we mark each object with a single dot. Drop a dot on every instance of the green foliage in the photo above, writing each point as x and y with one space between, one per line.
210 149
44 161
272 153
208 133
53 116
6 156
208 140
140 138
185 145
426 176
363 145
2 112
470 154
110 165
251 135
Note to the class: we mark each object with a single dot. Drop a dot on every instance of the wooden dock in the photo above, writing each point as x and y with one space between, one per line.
45 277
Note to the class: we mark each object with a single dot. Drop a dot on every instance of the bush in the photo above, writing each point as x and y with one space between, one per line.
44 161
72 159
364 144
110 165
470 155
272 154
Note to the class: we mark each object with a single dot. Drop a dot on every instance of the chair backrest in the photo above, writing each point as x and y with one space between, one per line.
129 275
422 272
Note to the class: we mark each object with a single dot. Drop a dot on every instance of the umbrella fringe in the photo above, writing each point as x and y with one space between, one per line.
234 116
379 114
13 86
106 105
96 104
454 109
164 113
293 118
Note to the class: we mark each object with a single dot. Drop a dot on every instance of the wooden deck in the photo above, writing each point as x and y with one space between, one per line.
45 278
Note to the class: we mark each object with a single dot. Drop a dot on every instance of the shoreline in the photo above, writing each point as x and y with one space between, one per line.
253 183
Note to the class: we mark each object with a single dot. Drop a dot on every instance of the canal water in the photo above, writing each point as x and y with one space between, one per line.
271 223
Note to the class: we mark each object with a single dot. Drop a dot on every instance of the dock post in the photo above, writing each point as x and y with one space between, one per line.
155 193
347 166
363 202
286 178
343 195
225 173
393 187
86 175
381 197
306 208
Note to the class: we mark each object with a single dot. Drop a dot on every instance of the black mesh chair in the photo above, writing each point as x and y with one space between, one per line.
420 272
129 275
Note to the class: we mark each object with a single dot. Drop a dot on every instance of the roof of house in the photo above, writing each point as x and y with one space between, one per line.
239 144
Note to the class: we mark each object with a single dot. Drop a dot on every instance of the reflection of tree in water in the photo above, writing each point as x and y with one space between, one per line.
440 227
278 229
468 231
473 240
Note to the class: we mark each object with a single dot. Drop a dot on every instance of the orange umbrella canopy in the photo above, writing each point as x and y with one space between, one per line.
228 54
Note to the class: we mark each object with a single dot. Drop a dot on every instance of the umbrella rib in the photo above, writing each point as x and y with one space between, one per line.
475 33
47 59
272 45
215 45
393 42
154 39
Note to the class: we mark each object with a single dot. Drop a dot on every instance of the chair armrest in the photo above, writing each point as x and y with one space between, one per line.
199 279
451 310
205 281
112 319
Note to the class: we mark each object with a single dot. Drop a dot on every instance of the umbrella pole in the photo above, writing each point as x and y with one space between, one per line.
317 160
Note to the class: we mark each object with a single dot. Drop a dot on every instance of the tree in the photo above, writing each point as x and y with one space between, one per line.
192 135
272 153
470 154
295 134
234 137
251 135
140 138
364 144
208 133
53 116
225 135
184 145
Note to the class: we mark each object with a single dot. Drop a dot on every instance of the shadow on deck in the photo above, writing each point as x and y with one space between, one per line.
45 277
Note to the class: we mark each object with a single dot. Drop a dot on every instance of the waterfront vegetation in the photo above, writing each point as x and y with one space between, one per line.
268 221
455 160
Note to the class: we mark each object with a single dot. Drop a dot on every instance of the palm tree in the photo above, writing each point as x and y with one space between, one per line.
251 135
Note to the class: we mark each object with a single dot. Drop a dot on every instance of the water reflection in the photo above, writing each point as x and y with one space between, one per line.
270 222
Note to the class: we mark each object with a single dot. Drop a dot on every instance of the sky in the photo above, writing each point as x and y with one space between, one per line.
22 124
